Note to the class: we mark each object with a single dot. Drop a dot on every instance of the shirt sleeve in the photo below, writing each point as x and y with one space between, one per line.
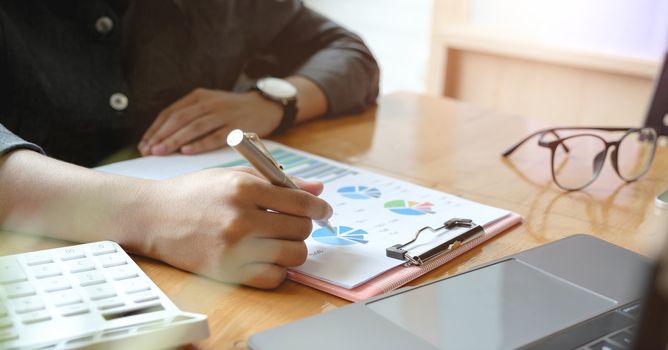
10 142
308 44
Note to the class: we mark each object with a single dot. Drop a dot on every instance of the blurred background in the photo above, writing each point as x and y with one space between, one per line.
567 61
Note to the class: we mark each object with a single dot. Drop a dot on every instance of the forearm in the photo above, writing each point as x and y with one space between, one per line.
332 58
44 196
311 100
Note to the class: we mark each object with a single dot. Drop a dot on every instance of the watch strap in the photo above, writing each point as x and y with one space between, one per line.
289 116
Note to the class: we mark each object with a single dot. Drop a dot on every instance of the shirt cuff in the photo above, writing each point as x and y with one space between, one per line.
10 142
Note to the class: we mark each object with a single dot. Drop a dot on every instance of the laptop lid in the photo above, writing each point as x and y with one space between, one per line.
505 304
657 116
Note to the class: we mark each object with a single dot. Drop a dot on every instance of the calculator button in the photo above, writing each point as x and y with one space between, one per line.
55 284
11 271
115 332
34 259
132 310
111 260
5 322
134 285
80 265
28 304
47 270
110 303
122 272
79 341
35 317
145 296
64 298
90 278
73 310
102 248
8 334
17 290
100 292
71 253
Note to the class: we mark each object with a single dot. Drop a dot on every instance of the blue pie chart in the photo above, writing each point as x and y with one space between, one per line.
343 236
359 192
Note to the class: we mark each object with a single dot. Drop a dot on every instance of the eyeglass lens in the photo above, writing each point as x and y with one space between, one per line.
578 164
577 167
635 153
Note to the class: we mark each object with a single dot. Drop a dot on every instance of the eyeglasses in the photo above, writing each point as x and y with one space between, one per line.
577 159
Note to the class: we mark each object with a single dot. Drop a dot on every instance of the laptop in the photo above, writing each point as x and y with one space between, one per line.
657 115
579 292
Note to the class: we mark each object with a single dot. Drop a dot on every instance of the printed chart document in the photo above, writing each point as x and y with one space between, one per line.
371 211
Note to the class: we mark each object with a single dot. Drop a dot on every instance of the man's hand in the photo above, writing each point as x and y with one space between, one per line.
201 120
231 225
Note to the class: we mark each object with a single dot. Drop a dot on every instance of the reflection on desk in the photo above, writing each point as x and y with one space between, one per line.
439 143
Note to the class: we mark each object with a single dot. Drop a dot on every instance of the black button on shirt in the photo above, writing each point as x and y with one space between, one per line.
84 78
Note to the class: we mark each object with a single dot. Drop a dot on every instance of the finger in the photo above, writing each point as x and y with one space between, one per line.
266 276
291 201
313 187
197 128
276 251
178 120
214 140
247 170
282 226
189 99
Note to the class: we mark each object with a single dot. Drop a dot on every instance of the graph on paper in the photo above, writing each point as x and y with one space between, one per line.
403 207
343 235
359 192
302 166
371 211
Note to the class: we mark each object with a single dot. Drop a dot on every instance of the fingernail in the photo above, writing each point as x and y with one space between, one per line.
158 149
186 149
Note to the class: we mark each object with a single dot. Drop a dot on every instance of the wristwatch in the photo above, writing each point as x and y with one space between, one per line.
283 92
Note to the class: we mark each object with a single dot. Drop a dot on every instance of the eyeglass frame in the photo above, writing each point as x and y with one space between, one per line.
552 145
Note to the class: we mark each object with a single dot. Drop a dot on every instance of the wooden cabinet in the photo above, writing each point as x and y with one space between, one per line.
517 75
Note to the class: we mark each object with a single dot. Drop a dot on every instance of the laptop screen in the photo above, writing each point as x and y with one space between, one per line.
658 110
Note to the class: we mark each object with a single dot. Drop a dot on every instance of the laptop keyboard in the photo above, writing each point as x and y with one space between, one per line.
610 331
619 338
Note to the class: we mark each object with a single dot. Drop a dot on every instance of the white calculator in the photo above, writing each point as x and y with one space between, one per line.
88 296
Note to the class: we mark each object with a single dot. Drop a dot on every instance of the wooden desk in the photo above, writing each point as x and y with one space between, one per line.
437 143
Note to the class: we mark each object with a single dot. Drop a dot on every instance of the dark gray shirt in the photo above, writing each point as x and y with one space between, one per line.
82 79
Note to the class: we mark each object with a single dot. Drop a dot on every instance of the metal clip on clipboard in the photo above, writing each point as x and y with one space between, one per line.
397 251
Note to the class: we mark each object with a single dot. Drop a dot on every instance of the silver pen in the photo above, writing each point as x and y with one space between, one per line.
252 149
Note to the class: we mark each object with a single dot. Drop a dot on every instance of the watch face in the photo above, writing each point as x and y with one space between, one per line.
277 88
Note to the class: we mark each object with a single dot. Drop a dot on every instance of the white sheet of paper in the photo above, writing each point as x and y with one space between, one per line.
371 211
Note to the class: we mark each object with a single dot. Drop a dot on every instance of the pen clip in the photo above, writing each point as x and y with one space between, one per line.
255 139
397 251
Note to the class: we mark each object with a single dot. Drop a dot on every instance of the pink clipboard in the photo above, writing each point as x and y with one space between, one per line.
400 275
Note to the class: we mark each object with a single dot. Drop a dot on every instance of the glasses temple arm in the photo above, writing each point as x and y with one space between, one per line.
514 147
